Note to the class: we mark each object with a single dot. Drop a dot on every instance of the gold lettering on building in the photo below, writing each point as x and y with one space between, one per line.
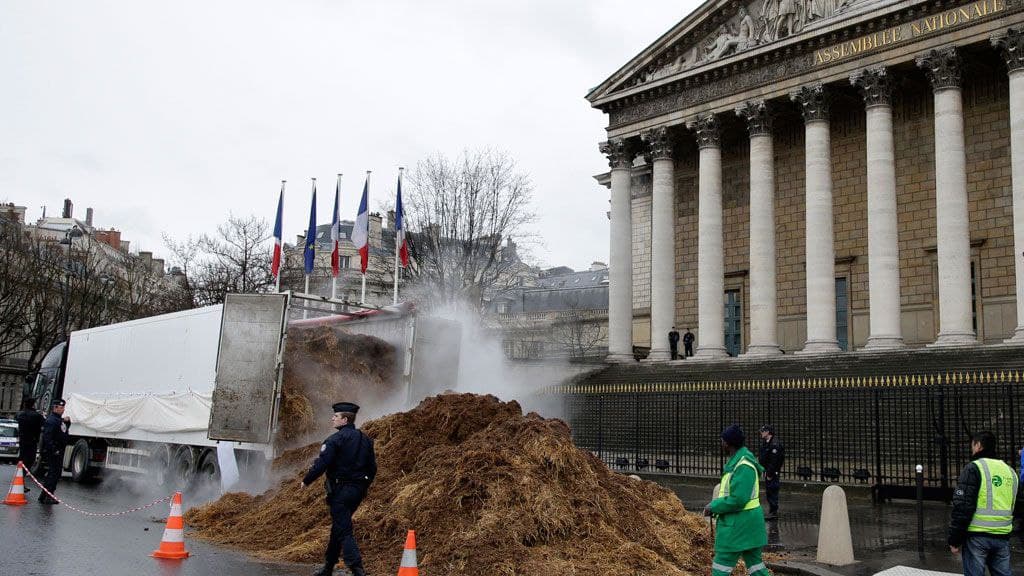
920 27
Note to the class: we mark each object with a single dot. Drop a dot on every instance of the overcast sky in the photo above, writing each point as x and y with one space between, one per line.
166 116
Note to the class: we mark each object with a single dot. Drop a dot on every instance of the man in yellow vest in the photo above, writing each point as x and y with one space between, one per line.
984 502
741 531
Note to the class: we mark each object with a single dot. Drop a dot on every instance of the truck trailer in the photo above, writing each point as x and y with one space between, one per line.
178 396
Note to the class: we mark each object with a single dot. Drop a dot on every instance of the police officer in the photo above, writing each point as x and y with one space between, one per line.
984 505
771 456
55 439
348 459
30 424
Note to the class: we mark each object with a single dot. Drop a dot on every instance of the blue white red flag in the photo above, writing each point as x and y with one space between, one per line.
275 265
361 230
403 246
309 253
336 232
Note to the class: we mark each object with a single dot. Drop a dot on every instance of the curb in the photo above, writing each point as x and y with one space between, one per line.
800 569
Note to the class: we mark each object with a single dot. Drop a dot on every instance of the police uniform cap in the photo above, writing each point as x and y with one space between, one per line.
59 402
346 407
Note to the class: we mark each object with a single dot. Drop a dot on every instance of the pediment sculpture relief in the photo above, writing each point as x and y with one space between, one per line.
762 22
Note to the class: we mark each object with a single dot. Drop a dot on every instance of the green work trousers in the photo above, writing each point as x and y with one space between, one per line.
724 562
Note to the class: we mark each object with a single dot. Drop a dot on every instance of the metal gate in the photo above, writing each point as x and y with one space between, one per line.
871 432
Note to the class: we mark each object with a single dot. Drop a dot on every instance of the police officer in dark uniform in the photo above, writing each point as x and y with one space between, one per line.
55 439
771 457
30 424
348 459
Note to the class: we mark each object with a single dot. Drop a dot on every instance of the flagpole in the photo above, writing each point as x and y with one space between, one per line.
362 294
277 279
305 310
337 240
398 247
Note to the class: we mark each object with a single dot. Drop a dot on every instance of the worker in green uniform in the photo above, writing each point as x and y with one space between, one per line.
737 507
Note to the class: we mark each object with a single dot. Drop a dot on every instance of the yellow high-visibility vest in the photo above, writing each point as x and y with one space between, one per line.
754 501
996 496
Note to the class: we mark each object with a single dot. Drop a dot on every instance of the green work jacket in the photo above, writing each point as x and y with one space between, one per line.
739 529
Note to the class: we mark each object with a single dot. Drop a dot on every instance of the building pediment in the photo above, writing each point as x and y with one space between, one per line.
726 31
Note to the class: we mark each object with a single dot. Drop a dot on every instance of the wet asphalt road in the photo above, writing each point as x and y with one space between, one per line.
53 540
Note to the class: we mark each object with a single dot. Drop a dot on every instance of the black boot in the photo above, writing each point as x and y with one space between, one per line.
357 570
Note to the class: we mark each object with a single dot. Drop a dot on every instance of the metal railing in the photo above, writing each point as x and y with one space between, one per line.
872 435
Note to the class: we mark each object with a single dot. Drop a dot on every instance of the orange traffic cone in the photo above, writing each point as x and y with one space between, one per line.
408 567
16 495
172 546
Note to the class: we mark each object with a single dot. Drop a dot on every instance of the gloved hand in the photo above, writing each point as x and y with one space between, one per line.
707 510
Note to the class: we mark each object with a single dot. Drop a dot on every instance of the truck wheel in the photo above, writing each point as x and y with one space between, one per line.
183 468
160 469
208 474
80 469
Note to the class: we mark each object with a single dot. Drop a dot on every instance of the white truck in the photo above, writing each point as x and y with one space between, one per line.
176 395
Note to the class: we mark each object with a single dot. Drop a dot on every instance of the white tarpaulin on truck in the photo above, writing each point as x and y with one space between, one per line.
164 413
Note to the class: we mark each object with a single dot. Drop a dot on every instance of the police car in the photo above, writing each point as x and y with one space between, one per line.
8 440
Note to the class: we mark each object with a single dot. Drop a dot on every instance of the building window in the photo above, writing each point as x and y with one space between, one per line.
502 307
343 261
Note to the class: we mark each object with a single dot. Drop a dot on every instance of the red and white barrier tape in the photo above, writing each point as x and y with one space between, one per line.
86 512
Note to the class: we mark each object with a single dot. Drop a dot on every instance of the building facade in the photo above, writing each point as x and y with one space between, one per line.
813 176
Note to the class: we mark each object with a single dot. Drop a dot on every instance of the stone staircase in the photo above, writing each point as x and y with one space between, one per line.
992 359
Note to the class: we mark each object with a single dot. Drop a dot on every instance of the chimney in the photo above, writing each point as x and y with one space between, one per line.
13 213
300 240
147 258
158 267
110 237
125 245
391 221
598 266
376 237
68 208
88 217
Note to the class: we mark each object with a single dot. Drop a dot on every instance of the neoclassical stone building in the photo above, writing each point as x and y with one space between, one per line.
813 176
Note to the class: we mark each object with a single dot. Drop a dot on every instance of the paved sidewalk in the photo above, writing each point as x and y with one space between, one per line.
884 536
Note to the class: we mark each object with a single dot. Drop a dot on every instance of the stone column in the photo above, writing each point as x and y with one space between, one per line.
663 259
620 265
710 254
883 240
763 309
1011 45
820 245
952 227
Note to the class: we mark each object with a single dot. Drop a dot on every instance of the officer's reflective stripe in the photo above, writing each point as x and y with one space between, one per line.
756 568
987 479
720 568
992 523
408 558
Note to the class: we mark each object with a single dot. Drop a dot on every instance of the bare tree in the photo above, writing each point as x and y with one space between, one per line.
460 212
234 260
579 332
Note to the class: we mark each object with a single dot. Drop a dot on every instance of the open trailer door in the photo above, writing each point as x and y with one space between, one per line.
248 377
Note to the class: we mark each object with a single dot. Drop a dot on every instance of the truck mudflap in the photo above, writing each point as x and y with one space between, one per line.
248 378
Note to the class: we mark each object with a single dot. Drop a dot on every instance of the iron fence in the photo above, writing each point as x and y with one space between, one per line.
866 435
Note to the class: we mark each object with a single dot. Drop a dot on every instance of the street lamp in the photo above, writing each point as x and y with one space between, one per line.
68 240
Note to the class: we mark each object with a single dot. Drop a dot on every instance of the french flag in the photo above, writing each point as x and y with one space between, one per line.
361 230
336 232
403 246
275 265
